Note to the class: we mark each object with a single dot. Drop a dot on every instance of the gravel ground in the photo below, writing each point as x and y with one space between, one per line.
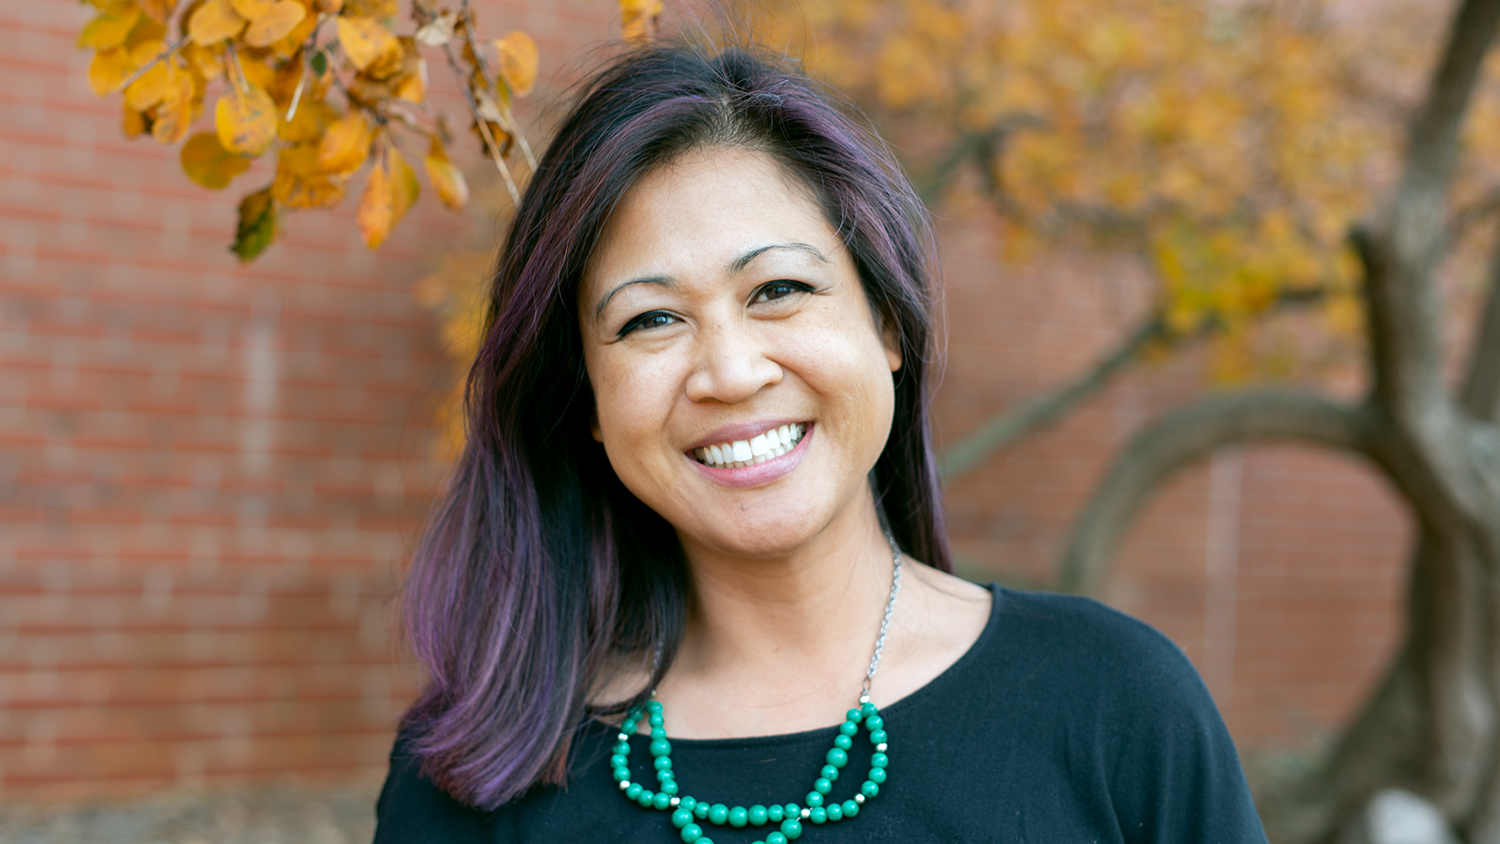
272 815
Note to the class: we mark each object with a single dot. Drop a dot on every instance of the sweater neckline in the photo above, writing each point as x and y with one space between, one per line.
897 707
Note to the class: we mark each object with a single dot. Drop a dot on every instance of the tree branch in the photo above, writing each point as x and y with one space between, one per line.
1401 251
1183 436
1004 428
1480 393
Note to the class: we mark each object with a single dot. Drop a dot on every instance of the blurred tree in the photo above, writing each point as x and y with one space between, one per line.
1233 149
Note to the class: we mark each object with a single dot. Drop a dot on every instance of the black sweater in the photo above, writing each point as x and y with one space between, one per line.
1065 722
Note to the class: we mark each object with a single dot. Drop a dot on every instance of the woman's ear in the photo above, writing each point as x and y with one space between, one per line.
594 425
891 339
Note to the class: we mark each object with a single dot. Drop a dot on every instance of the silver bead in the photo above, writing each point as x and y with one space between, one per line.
624 737
859 798
806 813
624 785
880 747
675 800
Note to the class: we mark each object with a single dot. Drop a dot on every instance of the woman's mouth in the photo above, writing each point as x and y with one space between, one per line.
758 449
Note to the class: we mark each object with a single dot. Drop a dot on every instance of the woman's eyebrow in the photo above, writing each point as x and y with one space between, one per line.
744 260
650 279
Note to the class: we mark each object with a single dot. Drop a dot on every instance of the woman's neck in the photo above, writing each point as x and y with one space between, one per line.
780 645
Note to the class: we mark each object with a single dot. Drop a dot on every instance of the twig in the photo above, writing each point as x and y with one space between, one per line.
489 83
310 44
484 126
141 71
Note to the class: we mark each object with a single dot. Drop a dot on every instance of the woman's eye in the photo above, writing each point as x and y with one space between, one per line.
780 290
651 319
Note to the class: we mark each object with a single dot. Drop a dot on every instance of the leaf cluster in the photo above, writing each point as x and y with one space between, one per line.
319 87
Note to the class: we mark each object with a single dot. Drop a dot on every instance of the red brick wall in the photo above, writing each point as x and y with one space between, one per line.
210 475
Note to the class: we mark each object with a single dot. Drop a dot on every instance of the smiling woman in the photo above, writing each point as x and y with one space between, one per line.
699 481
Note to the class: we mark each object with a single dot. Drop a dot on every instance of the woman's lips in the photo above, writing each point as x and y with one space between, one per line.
742 474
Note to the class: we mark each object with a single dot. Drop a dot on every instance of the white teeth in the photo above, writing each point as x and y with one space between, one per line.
757 449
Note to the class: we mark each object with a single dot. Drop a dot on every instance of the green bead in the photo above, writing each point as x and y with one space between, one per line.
653 706
669 787
634 791
627 727
692 832
662 801
681 817
869 789
757 815
851 808
775 838
738 816
848 728
878 737
814 798
705 841
867 709
791 828
775 813
701 811
877 775
662 763
622 774
618 760
718 813
829 773
688 802
646 798
837 757
655 720
835 811
622 748
874 722
843 742
658 732
817 814
660 747
854 716
790 810
822 785
880 760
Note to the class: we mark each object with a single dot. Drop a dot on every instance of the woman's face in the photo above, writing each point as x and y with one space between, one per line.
743 388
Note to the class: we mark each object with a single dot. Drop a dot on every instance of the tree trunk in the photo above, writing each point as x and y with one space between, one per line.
1433 724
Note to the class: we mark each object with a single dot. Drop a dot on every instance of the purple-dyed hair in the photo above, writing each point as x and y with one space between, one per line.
538 565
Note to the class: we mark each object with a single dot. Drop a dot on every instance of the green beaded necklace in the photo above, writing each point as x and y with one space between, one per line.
688 811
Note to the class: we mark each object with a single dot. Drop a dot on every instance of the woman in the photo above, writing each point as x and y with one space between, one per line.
690 581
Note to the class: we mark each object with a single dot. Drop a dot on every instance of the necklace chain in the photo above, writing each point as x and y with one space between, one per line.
786 819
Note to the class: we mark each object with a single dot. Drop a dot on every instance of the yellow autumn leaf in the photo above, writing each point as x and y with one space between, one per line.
204 61
301 183
250 10
412 85
108 69
275 23
367 41
245 119
311 120
132 122
376 211
518 62
206 162
215 21
638 18
346 144
379 9
404 185
158 10
445 177
174 114
152 87
111 28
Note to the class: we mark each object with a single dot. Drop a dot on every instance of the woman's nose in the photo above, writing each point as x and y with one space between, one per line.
732 364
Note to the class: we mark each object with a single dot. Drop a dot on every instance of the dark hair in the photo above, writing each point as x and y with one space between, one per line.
538 565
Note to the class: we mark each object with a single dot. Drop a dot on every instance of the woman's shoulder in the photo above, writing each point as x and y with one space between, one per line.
1075 649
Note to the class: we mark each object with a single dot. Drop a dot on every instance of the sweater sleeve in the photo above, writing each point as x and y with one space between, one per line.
1174 774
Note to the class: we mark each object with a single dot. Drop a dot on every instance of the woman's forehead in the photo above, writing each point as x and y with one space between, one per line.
710 208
